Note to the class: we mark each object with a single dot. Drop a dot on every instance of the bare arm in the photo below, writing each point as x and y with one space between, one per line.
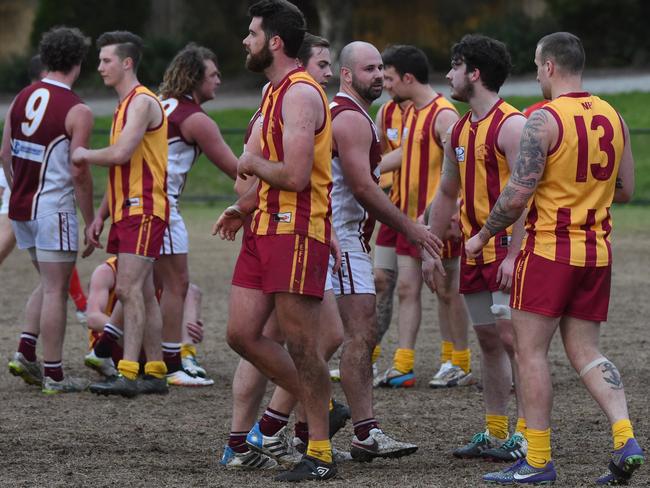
202 130
444 203
5 149
625 176
444 121
143 113
101 283
79 123
379 122
303 113
391 161
539 132
253 146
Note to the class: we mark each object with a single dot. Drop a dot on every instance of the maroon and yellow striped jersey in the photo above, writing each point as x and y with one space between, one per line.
422 156
93 336
484 172
569 219
391 123
139 187
307 212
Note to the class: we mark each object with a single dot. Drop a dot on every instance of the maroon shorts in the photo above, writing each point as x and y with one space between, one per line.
138 234
479 277
555 289
282 264
450 248
386 236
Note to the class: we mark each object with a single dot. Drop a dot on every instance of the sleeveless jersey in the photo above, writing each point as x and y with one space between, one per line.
308 212
40 151
93 335
391 121
569 220
139 187
422 157
181 154
484 172
352 223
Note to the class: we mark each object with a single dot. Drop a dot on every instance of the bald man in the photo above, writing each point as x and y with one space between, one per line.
357 201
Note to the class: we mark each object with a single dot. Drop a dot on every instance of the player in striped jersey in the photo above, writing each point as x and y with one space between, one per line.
136 199
189 81
480 150
575 159
284 266
45 123
420 160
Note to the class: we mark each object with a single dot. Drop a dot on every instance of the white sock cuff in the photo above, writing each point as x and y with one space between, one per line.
108 327
171 347
592 365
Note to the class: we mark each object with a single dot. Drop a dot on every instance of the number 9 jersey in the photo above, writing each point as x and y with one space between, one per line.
569 220
40 151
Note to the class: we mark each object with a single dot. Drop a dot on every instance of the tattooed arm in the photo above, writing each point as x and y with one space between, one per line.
625 176
540 133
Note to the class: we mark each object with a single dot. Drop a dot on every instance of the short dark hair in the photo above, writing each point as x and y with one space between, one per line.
35 68
489 56
284 19
565 49
407 59
128 45
62 48
310 41
186 71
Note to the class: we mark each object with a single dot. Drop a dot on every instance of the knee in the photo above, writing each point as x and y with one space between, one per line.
384 281
488 339
406 290
237 341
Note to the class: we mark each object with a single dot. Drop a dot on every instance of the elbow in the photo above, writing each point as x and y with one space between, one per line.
296 184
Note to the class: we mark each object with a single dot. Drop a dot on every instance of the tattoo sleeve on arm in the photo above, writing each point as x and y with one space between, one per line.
525 176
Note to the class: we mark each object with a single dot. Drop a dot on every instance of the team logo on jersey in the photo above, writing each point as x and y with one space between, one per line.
405 132
282 217
132 202
392 134
460 154
28 150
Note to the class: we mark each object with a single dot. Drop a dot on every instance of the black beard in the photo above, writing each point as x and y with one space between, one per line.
368 93
398 99
259 62
465 94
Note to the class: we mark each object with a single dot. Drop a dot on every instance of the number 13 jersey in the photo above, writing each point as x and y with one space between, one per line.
40 151
569 219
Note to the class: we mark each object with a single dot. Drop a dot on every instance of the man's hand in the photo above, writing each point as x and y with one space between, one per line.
505 273
420 235
195 331
93 231
476 243
335 251
245 165
228 223
79 156
430 266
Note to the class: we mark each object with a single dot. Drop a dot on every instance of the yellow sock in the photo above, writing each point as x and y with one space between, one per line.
375 353
331 405
187 350
321 450
497 425
521 426
446 349
404 360
128 369
462 359
157 369
539 447
622 431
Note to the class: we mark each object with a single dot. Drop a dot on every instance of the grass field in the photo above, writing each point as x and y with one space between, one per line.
205 180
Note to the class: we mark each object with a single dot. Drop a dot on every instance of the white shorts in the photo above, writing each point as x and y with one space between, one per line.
328 282
487 307
6 194
355 275
54 232
175 239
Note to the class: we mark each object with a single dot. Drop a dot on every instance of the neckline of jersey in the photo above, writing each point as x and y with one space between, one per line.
490 112
50 81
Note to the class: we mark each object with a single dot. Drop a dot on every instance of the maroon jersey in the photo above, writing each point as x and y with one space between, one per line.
352 223
40 151
182 154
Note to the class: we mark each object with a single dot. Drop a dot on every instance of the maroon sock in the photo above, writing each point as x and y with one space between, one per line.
107 340
363 428
27 346
302 432
53 369
172 356
272 422
237 441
